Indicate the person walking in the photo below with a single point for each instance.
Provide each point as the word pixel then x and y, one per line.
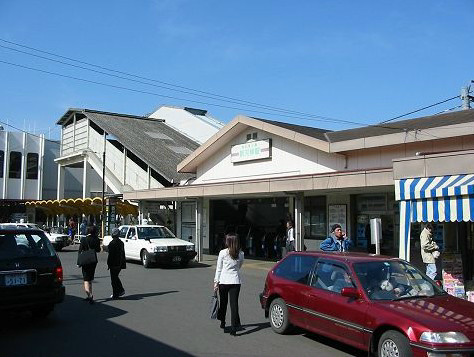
pixel 90 241
pixel 429 250
pixel 116 262
pixel 337 241
pixel 227 281
pixel 83 228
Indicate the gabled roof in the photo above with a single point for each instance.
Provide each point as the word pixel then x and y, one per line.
pixel 154 142
pixel 312 137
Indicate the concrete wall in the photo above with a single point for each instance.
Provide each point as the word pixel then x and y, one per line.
pixel 288 158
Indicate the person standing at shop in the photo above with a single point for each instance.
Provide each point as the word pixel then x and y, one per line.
pixel 337 241
pixel 290 237
pixel 429 250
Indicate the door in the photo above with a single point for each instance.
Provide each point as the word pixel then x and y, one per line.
pixel 330 313
pixel 133 243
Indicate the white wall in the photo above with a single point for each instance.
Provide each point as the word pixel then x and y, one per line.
pixel 288 158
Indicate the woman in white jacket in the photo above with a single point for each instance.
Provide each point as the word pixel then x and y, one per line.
pixel 227 280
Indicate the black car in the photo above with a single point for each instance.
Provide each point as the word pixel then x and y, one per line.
pixel 31 275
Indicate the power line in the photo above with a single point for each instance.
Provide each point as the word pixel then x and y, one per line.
pixel 419 110
pixel 203 93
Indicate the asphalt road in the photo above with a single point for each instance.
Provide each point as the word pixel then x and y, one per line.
pixel 165 312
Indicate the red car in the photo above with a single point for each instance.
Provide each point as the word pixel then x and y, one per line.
pixel 380 304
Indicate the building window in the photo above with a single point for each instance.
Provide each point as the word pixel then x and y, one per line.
pixel 14 170
pixel 32 166
pixel 2 160
pixel 315 217
pixel 252 136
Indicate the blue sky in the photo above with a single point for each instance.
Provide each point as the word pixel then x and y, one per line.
pixel 358 61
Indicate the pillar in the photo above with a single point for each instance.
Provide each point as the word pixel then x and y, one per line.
pixel 199 238
pixel 61 172
pixel 85 179
pixel 299 225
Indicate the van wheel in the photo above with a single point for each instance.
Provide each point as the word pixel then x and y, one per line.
pixel 394 343
pixel 145 258
pixel 279 316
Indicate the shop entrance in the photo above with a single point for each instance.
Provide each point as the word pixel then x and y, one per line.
pixel 259 222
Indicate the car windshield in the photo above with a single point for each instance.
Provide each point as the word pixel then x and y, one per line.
pixel 13 246
pixel 154 233
pixel 394 280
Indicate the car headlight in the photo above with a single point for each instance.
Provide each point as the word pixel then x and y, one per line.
pixel 190 248
pixel 443 337
pixel 160 249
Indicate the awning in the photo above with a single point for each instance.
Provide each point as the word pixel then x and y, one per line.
pixel 447 198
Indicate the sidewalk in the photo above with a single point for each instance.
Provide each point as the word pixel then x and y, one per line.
pixel 248 263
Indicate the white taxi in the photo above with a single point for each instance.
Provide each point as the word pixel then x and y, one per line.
pixel 153 244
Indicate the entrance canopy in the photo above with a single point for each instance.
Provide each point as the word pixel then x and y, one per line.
pixel 447 198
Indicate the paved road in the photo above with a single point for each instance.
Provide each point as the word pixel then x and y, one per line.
pixel 164 313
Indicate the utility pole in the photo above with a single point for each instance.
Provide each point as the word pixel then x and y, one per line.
pixel 466 98
pixel 103 185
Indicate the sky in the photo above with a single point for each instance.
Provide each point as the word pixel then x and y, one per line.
pixel 320 63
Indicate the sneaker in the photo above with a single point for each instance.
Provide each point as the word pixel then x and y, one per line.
pixel 122 293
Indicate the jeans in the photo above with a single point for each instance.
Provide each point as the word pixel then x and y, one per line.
pixel 431 270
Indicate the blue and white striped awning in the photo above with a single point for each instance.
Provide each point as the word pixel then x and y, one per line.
pixel 436 186
pixel 439 198
pixel 433 199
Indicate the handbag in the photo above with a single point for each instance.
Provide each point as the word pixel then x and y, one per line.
pixel 214 306
pixel 87 257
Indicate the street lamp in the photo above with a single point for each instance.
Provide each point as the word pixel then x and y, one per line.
pixel 103 186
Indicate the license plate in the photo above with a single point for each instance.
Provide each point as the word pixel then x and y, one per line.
pixel 15 279
pixel 177 259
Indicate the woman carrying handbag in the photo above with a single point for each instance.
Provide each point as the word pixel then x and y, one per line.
pixel 88 243
pixel 227 281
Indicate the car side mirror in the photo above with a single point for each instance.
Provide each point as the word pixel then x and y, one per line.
pixel 350 292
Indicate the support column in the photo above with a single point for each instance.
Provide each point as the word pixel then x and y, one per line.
pixel 85 179
pixel 299 226
pixel 199 240
pixel 405 227
pixel 61 172
pixel 6 159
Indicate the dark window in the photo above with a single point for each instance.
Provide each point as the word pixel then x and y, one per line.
pixel 2 160
pixel 32 166
pixel 123 232
pixel 14 246
pixel 14 170
pixel 331 277
pixel 296 268
pixel 315 217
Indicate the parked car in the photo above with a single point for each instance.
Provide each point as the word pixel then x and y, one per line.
pixel 58 240
pixel 31 274
pixel 153 244
pixel 379 304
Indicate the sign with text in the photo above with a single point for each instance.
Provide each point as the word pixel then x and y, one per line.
pixel 252 150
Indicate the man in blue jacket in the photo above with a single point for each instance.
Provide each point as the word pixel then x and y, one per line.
pixel 337 241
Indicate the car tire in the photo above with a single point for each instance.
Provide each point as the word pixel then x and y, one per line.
pixel 41 312
pixel 394 343
pixel 278 315
pixel 145 258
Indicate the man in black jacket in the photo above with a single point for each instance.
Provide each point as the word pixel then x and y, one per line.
pixel 116 262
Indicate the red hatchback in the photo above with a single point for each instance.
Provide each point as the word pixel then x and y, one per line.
pixel 380 304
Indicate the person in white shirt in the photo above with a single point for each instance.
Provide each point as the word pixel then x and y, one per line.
pixel 227 281
pixel 290 237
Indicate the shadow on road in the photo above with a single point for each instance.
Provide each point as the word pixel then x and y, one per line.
pixel 251 328
pixel 139 296
pixel 85 330
pixel 335 344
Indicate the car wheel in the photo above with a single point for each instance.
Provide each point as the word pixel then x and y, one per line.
pixel 394 344
pixel 41 312
pixel 279 316
pixel 145 259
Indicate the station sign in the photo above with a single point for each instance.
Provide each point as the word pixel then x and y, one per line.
pixel 252 150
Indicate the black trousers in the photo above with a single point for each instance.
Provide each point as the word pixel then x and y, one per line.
pixel 229 292
pixel 117 287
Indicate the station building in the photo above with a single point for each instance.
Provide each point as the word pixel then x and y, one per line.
pixel 253 173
